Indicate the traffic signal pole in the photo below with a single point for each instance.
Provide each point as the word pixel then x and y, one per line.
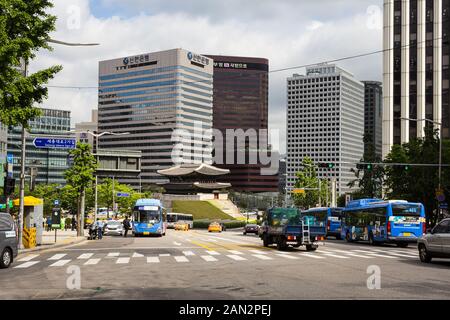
pixel 22 189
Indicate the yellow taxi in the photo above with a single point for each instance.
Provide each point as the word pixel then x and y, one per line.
pixel 214 227
pixel 181 226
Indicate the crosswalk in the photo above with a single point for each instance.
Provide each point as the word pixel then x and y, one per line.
pixel 209 256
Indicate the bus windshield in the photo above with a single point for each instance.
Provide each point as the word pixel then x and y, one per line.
pixel 171 218
pixel 147 216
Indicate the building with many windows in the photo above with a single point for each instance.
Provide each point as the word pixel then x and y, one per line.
pixel 373 113
pixel 50 163
pixel 163 100
pixel 325 122
pixel 241 95
pixel 416 74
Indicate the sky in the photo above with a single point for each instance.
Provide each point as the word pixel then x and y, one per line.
pixel 289 33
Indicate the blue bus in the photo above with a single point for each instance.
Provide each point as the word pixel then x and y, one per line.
pixel 378 221
pixel 329 217
pixel 149 218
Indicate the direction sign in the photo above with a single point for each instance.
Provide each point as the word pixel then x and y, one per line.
pixel 298 191
pixel 122 194
pixel 9 158
pixel 52 143
pixel 56 202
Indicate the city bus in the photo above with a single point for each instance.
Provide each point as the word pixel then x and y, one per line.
pixel 149 218
pixel 329 217
pixel 173 218
pixel 379 221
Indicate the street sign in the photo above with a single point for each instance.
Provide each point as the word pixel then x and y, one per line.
pixel 9 158
pixel 443 205
pixel 122 194
pixel 52 143
pixel 298 191
pixel 56 202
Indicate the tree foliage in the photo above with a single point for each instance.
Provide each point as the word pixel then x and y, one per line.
pixel 24 29
pixel 307 178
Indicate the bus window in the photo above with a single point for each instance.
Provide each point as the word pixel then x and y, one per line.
pixel 406 213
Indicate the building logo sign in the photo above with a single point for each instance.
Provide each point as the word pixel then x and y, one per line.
pixel 126 61
pixel 198 58
pixel 136 59
pixel 230 65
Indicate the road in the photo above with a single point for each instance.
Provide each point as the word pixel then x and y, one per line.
pixel 200 265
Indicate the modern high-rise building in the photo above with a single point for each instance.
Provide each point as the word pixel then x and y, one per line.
pixel 162 100
pixel 325 122
pixel 50 163
pixel 241 101
pixel 373 114
pixel 416 69
pixel 82 129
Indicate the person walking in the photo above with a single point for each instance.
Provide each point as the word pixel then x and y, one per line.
pixel 49 223
pixel 126 226
pixel 63 223
pixel 99 225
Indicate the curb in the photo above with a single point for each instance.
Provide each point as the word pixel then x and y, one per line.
pixel 69 242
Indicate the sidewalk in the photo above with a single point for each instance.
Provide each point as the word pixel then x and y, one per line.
pixel 64 238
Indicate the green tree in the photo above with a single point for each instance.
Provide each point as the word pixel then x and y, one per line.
pixel 81 177
pixel 307 178
pixel 368 182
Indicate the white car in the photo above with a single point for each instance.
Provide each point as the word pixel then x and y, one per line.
pixel 114 227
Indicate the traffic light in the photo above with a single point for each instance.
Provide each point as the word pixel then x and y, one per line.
pixel 326 165
pixel 10 184
pixel 406 167
pixel 364 166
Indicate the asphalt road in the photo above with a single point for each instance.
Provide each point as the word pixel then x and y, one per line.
pixel 229 265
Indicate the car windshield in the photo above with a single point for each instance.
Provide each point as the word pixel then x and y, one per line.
pixel 113 223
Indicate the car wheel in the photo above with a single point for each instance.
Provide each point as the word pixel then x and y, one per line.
pixel 245 233
pixel 424 255
pixel 281 245
pixel 5 259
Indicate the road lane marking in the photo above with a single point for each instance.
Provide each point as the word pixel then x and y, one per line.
pixel 181 259
pixel 164 254
pixel 123 260
pixel 287 256
pixel 202 245
pixel 60 263
pixel 213 253
pixel 85 256
pixel 209 258
pixel 235 252
pixel 310 255
pixel 258 251
pixel 225 239
pixel 177 243
pixel 262 256
pixel 137 255
pixel 28 258
pixel 351 254
pixel 91 262
pixel 26 265
pixel 152 260
pixel 57 256
pixel 375 254
pixel 113 254
pixel 331 254
pixel 236 257
pixel 188 253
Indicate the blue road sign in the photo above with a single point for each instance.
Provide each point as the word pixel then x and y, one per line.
pixel 56 202
pixel 52 143
pixel 9 158
pixel 443 206
pixel 121 194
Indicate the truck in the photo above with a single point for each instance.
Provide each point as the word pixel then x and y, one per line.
pixel 286 227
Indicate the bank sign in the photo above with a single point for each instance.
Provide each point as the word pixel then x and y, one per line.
pixel 136 59
pixel 198 58
pixel 230 65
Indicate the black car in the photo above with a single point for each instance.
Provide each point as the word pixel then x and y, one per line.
pixel 251 228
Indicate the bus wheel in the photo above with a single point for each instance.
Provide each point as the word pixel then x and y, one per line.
pixel 348 237
pixel 402 244
pixel 371 242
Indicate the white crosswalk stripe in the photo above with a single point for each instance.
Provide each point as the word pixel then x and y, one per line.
pixel 181 259
pixel 60 263
pixel 164 254
pixel 213 253
pixel 235 252
pixel 330 254
pixel 92 262
pixel 310 255
pixel 188 253
pixel 85 256
pixel 236 257
pixel 153 260
pixel 28 258
pixel 375 254
pixel 352 254
pixel 26 265
pixel 287 256
pixel 137 255
pixel 209 258
pixel 258 251
pixel 57 256
pixel 262 256
pixel 123 260
pixel 113 254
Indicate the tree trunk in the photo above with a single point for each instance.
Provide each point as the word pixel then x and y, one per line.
pixel 82 204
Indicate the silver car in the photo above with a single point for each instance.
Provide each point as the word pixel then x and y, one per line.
pixel 8 240
pixel 114 228
pixel 435 244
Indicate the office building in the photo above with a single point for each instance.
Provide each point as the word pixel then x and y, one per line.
pixel 149 96
pixel 325 122
pixel 50 163
pixel 82 129
pixel 373 114
pixel 416 69
pixel 282 175
pixel 241 91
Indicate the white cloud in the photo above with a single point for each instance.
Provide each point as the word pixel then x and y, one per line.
pixel 274 35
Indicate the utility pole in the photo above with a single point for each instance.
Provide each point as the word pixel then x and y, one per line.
pixel 113 195
pixel 96 200
pixel 320 200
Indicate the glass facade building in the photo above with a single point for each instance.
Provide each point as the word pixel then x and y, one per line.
pixel 50 163
pixel 373 108
pixel 163 101
pixel 241 91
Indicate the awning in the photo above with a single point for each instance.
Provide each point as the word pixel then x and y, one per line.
pixel 30 201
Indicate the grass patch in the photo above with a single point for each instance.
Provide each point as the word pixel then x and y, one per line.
pixel 200 210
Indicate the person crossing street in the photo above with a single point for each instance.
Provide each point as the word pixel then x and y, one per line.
pixel 126 226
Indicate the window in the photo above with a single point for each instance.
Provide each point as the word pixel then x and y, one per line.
pixel 443 227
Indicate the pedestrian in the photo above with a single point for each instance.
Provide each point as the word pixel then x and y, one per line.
pixel 49 223
pixel 126 226
pixel 63 223
pixel 99 225
pixel 74 224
